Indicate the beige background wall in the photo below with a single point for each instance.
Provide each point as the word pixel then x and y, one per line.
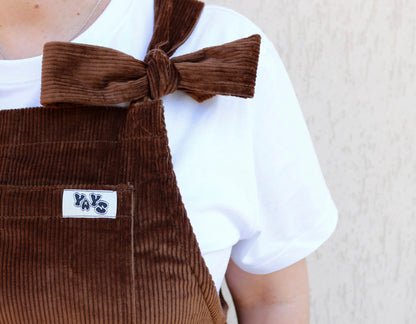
pixel 353 67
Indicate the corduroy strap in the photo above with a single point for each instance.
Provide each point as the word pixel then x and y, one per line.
pixel 94 75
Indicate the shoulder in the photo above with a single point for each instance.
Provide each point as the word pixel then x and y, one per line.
pixel 218 25
pixel 227 21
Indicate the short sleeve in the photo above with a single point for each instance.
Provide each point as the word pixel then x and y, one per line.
pixel 296 213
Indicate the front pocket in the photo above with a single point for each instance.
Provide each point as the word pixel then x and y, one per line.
pixel 56 269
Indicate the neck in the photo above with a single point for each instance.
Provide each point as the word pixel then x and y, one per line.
pixel 26 25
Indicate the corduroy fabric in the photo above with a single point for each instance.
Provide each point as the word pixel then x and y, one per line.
pixel 142 267
pixel 107 76
pixel 145 265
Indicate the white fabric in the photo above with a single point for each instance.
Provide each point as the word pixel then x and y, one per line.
pixel 246 168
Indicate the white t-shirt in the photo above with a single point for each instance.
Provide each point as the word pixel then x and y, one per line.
pixel 246 168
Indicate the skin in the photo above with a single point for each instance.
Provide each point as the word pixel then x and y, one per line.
pixel 280 297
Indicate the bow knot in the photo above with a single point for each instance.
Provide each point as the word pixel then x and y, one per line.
pixel 162 75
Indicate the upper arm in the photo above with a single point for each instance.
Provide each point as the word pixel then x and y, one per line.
pixel 281 295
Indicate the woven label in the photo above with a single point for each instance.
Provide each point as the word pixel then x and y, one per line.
pixel 78 203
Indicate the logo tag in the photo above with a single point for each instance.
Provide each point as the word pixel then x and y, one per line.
pixel 78 203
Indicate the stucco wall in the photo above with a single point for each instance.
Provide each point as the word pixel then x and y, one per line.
pixel 353 66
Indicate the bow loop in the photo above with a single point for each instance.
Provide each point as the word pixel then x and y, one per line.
pixel 162 75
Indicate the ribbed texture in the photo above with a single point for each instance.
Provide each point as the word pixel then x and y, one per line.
pixel 229 70
pixel 106 76
pixel 145 265
pixel 173 23
pixel 94 75
pixel 46 201
pixel 142 267
pixel 162 75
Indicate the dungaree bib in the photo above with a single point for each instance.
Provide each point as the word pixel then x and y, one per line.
pixel 92 226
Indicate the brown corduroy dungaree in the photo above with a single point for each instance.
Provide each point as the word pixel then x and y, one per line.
pixel 143 265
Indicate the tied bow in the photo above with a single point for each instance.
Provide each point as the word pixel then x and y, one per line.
pixel 94 75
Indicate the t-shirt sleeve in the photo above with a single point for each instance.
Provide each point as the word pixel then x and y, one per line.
pixel 296 213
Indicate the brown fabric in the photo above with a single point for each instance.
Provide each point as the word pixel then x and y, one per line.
pixel 142 267
pixel 96 75
pixel 145 265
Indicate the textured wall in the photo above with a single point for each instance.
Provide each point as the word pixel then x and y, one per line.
pixel 353 67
